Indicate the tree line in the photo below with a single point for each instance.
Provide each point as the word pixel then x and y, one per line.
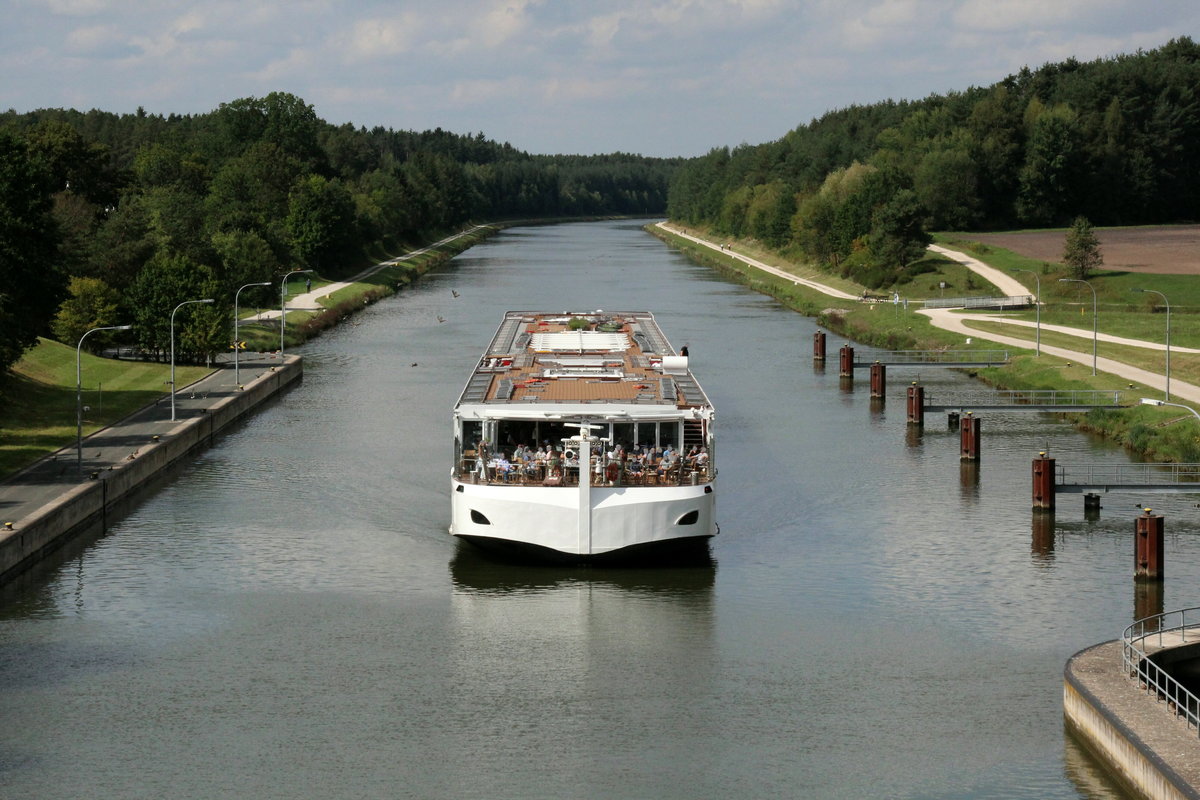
pixel 115 218
pixel 1116 140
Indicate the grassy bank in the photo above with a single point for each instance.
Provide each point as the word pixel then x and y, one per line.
pixel 39 398
pixel 39 414
pixel 381 283
pixel 1155 433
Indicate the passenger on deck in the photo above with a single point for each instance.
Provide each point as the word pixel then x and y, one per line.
pixel 481 458
pixel 636 466
pixel 504 467
pixel 668 460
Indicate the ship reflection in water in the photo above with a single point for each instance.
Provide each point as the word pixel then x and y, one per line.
pixel 539 650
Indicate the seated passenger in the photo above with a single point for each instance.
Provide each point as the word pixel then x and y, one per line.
pixel 504 467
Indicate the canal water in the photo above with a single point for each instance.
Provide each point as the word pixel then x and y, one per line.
pixel 288 616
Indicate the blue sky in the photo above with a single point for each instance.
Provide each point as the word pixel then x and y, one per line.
pixel 657 77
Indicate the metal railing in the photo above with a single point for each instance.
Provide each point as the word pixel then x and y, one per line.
pixel 1013 301
pixel 1039 397
pixel 1127 474
pixel 900 357
pixel 531 474
pixel 1169 629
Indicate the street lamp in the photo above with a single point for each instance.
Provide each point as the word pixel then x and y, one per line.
pixel 1167 392
pixel 283 303
pixel 181 305
pixel 1149 401
pixel 236 379
pixel 1037 304
pixel 1085 283
pixel 79 391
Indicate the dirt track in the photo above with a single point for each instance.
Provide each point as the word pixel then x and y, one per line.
pixel 1167 250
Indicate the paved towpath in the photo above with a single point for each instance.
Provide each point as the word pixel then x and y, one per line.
pixel 820 287
pixel 956 321
pixel 54 475
pixel 1007 284
pixel 948 320
pixel 310 301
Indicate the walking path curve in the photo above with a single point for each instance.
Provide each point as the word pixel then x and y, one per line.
pixel 946 319
pixel 1024 323
pixel 956 321
pixel 1007 284
pixel 310 301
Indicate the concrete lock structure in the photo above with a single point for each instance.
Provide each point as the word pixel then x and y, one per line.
pixel 89 504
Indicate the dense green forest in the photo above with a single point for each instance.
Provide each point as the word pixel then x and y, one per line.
pixel 115 218
pixel 1115 140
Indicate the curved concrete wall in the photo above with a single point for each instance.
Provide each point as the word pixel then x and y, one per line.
pixel 1108 714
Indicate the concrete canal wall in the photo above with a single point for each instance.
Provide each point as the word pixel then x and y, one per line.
pixel 1145 746
pixel 89 504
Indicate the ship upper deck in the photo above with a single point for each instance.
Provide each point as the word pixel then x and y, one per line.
pixel 582 357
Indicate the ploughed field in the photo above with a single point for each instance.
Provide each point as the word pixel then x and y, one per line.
pixel 1163 249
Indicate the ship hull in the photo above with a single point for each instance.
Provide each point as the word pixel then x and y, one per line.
pixel 621 521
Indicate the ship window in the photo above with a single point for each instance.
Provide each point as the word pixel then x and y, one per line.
pixel 668 434
pixel 479 519
pixel 690 518
pixel 472 432
pixel 512 432
pixel 623 434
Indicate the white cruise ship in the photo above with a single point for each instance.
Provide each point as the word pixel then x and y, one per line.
pixel 583 436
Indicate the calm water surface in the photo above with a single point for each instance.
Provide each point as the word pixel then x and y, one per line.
pixel 289 618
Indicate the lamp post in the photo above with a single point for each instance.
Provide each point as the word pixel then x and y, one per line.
pixel 236 374
pixel 79 391
pixel 181 305
pixel 1037 304
pixel 1150 401
pixel 283 303
pixel 1167 392
pixel 1085 283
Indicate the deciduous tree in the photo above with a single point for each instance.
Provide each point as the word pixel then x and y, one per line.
pixel 91 303
pixel 31 282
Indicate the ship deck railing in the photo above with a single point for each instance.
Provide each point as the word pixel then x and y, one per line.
pixel 467 471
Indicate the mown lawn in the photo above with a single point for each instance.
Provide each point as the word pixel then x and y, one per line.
pixel 39 399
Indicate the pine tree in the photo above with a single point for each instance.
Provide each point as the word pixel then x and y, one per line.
pixel 1082 251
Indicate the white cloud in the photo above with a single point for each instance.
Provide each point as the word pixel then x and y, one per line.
pixel 1026 15
pixel 96 40
pixel 382 38
pixel 680 76
pixel 505 20
pixel 78 8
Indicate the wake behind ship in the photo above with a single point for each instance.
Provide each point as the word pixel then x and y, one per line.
pixel 583 436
